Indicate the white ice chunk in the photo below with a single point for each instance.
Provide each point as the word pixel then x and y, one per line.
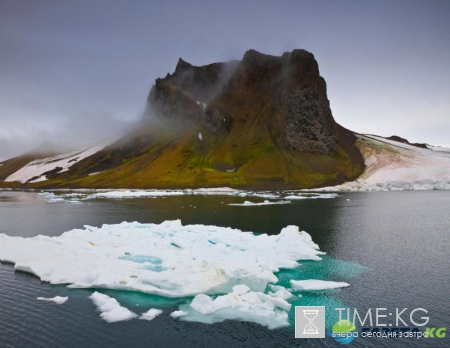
pixel 250 306
pixel 266 202
pixel 203 303
pixel 177 314
pixel 315 284
pixel 312 196
pixel 111 310
pixel 135 194
pixel 280 291
pixel 56 299
pixel 241 289
pixel 151 314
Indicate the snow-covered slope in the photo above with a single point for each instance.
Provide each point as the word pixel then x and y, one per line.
pixel 391 165
pixel 37 168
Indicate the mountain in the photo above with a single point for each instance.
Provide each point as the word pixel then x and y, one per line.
pixel 44 150
pixel 263 123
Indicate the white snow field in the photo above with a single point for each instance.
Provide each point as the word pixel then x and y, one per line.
pixel 394 166
pixel 56 299
pixel 174 261
pixel 38 167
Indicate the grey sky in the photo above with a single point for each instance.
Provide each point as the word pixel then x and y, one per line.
pixel 80 71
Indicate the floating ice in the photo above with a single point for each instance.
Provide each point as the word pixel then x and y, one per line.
pixel 56 299
pixel 312 196
pixel 266 195
pixel 151 314
pixel 168 259
pixel 111 310
pixel 136 194
pixel 240 304
pixel 315 284
pixel 266 202
pixel 177 314
pixel 219 191
pixel 280 291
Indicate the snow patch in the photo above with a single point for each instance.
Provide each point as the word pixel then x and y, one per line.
pixel 39 179
pixel 395 166
pixel 38 167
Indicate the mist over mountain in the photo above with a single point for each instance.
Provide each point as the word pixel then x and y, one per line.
pixel 261 122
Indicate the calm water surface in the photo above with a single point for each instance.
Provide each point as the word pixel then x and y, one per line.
pixel 392 247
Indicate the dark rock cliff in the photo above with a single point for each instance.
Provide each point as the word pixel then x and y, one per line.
pixel 220 94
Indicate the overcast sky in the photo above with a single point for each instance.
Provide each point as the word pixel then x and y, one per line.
pixel 80 71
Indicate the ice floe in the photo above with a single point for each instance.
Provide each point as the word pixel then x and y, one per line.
pixel 240 304
pixel 168 259
pixel 266 202
pixel 312 196
pixel 111 310
pixel 60 195
pixel 229 273
pixel 134 194
pixel 151 314
pixel 178 314
pixel 56 299
pixel 315 284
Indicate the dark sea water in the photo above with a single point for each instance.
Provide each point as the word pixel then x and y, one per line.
pixel 392 247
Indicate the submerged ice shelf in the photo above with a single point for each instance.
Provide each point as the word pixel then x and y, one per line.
pixel 229 274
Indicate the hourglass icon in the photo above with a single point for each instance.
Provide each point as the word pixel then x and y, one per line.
pixel 310 328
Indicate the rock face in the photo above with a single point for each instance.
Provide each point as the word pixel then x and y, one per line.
pixel 308 122
pixel 182 96
pixel 220 94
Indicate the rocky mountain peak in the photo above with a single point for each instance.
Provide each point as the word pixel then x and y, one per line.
pixel 285 94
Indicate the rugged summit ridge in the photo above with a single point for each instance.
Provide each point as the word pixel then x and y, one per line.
pixel 287 93
pixel 263 122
